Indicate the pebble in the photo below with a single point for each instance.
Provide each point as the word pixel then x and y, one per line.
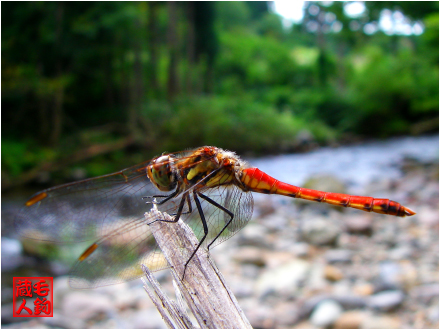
pixel 389 274
pixel 402 251
pixel 365 289
pixel 11 254
pixel 326 313
pixel 428 216
pixel 64 321
pixel 333 273
pixel 320 231
pixel 386 300
pixel 426 292
pixel 283 279
pixel 147 319
pixel 381 322
pixel 254 235
pixel 301 249
pixel 350 320
pixel 338 255
pixel 86 305
pixel 250 255
pixel 360 224
pixel 351 301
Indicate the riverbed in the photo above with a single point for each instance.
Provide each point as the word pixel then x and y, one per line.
pixel 298 264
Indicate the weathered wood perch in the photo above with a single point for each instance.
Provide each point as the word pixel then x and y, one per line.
pixel 203 288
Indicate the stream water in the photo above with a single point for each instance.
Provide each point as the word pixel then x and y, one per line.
pixel 355 165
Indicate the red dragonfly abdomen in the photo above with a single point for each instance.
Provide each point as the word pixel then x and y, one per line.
pixel 258 181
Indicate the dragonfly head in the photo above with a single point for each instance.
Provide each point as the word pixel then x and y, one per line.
pixel 161 173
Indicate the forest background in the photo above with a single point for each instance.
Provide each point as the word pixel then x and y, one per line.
pixel 105 85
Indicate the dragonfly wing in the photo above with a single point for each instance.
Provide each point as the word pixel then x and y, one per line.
pixel 231 197
pixel 117 257
pixel 87 209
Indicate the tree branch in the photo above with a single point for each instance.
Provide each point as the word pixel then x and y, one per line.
pixel 203 288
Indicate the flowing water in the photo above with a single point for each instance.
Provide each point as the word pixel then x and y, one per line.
pixel 355 165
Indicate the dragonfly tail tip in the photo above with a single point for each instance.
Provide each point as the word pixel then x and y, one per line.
pixel 408 211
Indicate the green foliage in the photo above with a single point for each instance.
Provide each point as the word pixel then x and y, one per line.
pixel 404 89
pixel 239 124
pixel 19 156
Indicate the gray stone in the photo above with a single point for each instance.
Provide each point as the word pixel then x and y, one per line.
pixel 86 305
pixel 338 255
pixel 359 224
pixel 380 322
pixel 351 301
pixel 426 292
pixel 402 251
pixel 386 300
pixel 326 313
pixel 389 275
pixel 253 235
pixel 283 279
pixel 147 319
pixel 11 254
pixel 320 231
pixel 350 320
pixel 63 322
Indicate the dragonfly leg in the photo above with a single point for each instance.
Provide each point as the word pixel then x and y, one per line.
pixel 205 230
pixel 188 200
pixel 166 199
pixel 178 214
pixel 224 209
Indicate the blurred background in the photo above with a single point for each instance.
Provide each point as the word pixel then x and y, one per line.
pixel 338 96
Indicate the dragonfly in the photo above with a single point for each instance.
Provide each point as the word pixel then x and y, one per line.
pixel 208 188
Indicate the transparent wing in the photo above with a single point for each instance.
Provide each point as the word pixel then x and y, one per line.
pixel 117 257
pixel 110 210
pixel 232 198
pixel 88 209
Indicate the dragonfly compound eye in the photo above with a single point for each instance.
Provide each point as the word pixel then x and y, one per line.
pixel 161 173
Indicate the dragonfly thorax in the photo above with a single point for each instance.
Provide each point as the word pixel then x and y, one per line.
pixel 162 174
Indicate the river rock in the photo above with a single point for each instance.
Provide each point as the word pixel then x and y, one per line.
pixel 402 251
pixel 320 231
pixel 386 300
pixel 333 273
pixel 11 254
pixel 338 255
pixel 86 305
pixel 351 301
pixel 254 234
pixel 326 313
pixel 426 292
pixel 250 255
pixel 350 320
pixel 359 224
pixel 381 322
pixel 283 279
pixel 64 322
pixel 364 289
pixel 147 319
pixel 389 275
pixel 428 216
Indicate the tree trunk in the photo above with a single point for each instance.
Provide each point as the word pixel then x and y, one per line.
pixel 153 44
pixel 172 84
pixel 190 51
pixel 57 114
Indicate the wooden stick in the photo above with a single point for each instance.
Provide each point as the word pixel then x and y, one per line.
pixel 166 307
pixel 203 288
